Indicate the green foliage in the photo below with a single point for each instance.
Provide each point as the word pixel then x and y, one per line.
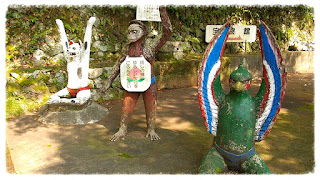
pixel 195 17
pixel 308 107
pixel 125 155
pixel 27 26
pixel 42 88
pixel 26 93
pixel 13 107
pixel 11 52
pixel 104 75
pixel 18 101
pixel 26 82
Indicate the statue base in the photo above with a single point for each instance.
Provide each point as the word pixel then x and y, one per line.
pixel 72 114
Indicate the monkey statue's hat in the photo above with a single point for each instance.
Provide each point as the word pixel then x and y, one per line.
pixel 241 74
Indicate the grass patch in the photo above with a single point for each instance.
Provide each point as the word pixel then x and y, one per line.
pixel 125 155
pixel 13 108
pixel 308 107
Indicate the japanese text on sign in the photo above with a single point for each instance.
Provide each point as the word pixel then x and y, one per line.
pixel 148 13
pixel 237 33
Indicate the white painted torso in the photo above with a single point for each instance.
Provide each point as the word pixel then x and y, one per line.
pixel 74 81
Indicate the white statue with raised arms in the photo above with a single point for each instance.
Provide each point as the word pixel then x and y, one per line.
pixel 77 55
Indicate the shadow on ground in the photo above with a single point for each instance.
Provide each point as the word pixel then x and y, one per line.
pixel 289 148
pixel 86 149
pixel 51 149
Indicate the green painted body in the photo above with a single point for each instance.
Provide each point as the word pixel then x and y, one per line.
pixel 237 115
pixel 213 163
pixel 236 124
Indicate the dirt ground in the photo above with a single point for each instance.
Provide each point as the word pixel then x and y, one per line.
pixel 52 149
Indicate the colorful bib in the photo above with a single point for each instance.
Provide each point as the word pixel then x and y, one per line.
pixel 135 74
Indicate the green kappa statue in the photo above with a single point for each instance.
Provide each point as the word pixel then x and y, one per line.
pixel 238 120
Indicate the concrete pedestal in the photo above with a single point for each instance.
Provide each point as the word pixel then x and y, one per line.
pixel 68 114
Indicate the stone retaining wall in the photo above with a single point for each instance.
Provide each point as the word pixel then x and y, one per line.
pixel 295 62
pixel 175 74
pixel 178 75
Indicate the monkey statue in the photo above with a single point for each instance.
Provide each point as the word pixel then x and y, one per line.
pixel 77 55
pixel 238 120
pixel 140 46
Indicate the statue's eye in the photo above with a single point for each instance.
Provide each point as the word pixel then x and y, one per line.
pixel 134 31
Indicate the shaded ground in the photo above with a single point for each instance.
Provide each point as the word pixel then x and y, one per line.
pixel 51 149
pixel 289 148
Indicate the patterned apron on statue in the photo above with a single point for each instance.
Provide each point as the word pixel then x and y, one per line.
pixel 135 74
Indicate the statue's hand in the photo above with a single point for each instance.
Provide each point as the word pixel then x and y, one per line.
pixel 59 22
pixel 91 21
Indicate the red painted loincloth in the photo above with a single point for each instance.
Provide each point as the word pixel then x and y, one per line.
pixel 74 92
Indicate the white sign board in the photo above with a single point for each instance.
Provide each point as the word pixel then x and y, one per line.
pixel 135 74
pixel 148 13
pixel 237 33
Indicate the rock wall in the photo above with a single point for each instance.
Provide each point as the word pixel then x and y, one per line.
pixel 32 36
pixel 174 74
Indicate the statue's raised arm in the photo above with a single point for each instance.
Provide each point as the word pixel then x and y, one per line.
pixel 166 28
pixel 271 92
pixel 210 92
pixel 63 36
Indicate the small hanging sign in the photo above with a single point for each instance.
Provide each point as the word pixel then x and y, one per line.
pixel 135 74
pixel 237 33
pixel 148 13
